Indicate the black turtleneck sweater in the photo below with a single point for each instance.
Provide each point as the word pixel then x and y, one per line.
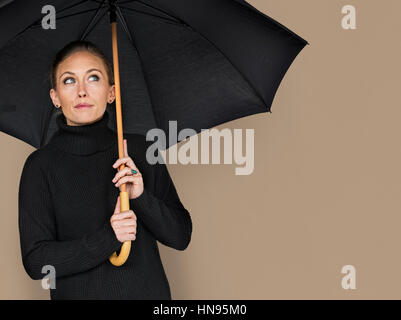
pixel 66 199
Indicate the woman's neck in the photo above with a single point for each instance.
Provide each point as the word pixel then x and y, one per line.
pixel 84 139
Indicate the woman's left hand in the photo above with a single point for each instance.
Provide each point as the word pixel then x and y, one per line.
pixel 133 181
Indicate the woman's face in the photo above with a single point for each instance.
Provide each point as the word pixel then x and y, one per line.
pixel 82 79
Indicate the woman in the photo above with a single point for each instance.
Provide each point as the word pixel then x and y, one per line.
pixel 69 209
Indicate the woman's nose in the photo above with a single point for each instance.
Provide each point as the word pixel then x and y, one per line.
pixel 82 91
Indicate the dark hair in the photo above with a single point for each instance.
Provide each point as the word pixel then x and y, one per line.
pixel 77 46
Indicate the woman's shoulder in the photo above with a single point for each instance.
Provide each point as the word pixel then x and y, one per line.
pixel 39 167
pixel 40 158
pixel 33 167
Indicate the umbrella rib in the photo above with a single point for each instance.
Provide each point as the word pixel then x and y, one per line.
pixel 88 27
pixel 76 13
pixel 39 23
pixel 162 11
pixel 141 64
pixel 117 2
pixel 100 18
pixel 238 70
pixel 183 22
pixel 39 20
pixel 176 22
pixel 73 5
pixel 122 2
pixel 234 66
pixel 125 27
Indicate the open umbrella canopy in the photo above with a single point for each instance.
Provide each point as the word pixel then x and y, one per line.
pixel 200 62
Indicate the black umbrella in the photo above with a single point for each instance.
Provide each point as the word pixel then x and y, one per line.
pixel 198 62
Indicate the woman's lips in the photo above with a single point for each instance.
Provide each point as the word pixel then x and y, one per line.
pixel 83 105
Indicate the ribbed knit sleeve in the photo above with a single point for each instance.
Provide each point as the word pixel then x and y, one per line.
pixel 38 234
pixel 162 211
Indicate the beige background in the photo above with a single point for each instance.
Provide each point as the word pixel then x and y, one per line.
pixel 326 189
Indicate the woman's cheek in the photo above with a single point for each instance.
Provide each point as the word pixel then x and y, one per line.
pixel 65 97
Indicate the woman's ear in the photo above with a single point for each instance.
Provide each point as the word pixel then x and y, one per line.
pixel 112 94
pixel 54 97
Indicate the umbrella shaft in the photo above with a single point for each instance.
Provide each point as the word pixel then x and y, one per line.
pixel 118 92
pixel 125 250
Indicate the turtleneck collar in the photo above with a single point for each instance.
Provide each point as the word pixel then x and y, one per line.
pixel 85 139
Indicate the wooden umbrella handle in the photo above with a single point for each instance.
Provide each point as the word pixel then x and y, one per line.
pixel 120 259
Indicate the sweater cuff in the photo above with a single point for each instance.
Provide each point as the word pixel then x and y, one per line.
pixel 104 238
pixel 141 203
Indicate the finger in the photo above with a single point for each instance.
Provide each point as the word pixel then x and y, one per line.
pixel 127 177
pixel 136 180
pixel 125 172
pixel 128 221
pixel 128 237
pixel 127 161
pixel 124 223
pixel 125 230
pixel 131 237
pixel 124 215
pixel 117 208
pixel 121 173
pixel 125 148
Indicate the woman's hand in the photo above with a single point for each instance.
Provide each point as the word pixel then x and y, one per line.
pixel 123 223
pixel 133 181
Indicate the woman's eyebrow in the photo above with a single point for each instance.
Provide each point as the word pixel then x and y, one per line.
pixel 90 70
pixel 93 69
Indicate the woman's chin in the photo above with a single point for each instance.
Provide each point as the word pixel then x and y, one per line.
pixel 85 115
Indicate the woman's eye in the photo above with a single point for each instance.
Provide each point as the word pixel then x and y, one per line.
pixel 65 80
pixel 93 75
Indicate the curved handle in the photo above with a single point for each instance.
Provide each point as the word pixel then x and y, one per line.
pixel 119 260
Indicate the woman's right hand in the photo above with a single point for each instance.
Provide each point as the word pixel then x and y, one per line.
pixel 123 223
